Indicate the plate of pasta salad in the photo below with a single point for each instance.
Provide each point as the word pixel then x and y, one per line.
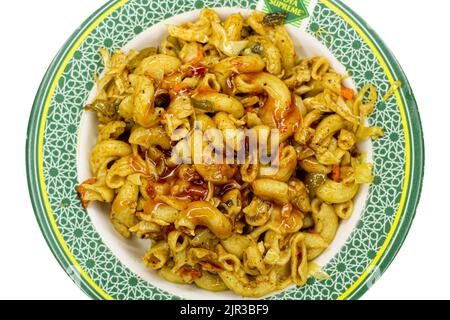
pixel 222 149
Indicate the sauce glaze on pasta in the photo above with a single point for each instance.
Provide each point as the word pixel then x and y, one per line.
pixel 236 227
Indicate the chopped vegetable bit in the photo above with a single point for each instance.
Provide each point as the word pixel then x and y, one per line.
pixel 104 109
pixel 193 273
pixel 313 181
pixel 347 93
pixel 203 105
pixel 180 88
pixel 336 173
pixel 275 19
pixel 363 173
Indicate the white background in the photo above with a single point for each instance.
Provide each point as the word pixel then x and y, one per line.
pixel 31 33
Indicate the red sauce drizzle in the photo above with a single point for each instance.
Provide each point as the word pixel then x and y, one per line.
pixel 151 190
pixel 168 174
pixel 194 193
pixel 195 274
pixel 137 167
pixel 198 71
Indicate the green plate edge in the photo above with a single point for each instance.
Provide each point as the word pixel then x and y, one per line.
pixel 417 147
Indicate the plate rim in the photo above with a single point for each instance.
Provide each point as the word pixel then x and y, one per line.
pixel 417 147
pixel 414 126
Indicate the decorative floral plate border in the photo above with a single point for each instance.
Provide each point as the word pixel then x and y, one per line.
pixel 53 134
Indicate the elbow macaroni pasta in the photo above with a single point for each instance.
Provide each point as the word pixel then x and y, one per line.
pixel 245 227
